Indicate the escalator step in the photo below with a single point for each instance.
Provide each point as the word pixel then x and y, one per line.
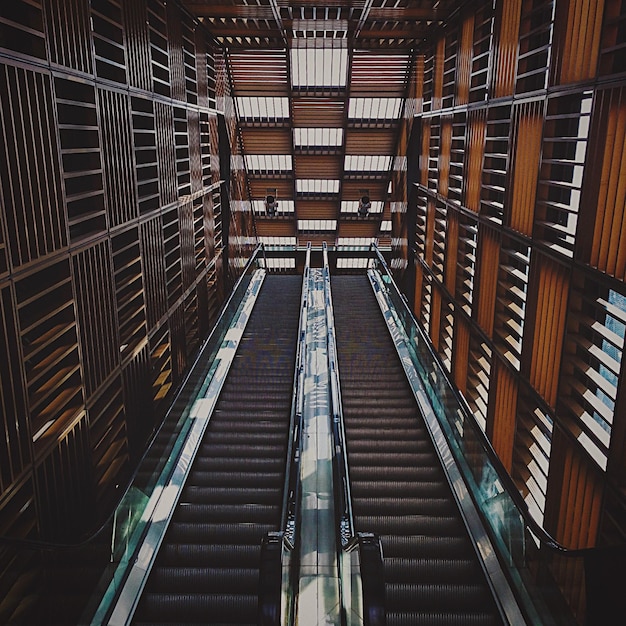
pixel 226 608
pixel 433 597
pixel 396 460
pixel 203 579
pixel 235 513
pixel 433 570
pixel 426 546
pixel 242 451
pixel 191 555
pixel 231 495
pixel 236 438
pixel 411 525
pixel 385 446
pixel 407 488
pixel 412 618
pixel 184 532
pixel 415 474
pixel 436 507
pixel 207 464
pixel 235 479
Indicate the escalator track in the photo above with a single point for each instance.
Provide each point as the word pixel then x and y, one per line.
pixel 399 490
pixel 207 568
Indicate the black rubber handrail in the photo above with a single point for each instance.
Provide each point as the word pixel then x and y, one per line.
pixel 90 535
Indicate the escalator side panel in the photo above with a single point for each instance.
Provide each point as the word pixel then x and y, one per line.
pixel 207 569
pixel 399 489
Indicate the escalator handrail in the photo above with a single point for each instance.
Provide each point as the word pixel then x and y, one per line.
pixel 368 544
pixel 270 595
pixel 342 481
pixel 90 536
pixel 539 531
pixel 290 512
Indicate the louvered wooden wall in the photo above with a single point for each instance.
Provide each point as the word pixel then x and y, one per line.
pixel 520 243
pixel 111 243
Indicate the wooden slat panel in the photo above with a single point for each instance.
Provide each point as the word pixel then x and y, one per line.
pixel 461 352
pixel 370 141
pixel 316 209
pixel 435 317
pixel 505 46
pixel 452 243
pixel 473 168
pixel 351 190
pixel 318 112
pixel 489 246
pixel 464 67
pixel 365 228
pixel 528 126
pixel 440 51
pixel 419 283
pixel 314 167
pixel 259 72
pixel 549 286
pixel 502 412
pixel 266 141
pixel 444 155
pixel 608 251
pixel 578 27
pixel 258 188
pixel 275 228
pixel 374 72
pixel 425 152
pixel 430 232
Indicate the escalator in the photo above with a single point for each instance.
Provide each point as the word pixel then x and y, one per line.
pixel 399 489
pixel 207 567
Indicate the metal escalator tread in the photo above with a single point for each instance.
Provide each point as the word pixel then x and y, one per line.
pixel 399 489
pixel 206 571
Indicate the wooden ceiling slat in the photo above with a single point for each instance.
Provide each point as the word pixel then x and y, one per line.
pixel 316 210
pixel 284 188
pixel 318 113
pixel 266 140
pixel 351 190
pixel 330 167
pixel 358 228
pixel 272 227
pixel 368 141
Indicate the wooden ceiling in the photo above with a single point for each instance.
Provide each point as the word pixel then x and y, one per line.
pixel 319 92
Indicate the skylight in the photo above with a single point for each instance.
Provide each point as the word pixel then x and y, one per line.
pixel 317 137
pixel 385 226
pixel 280 263
pixel 268 162
pixel 284 207
pixel 317 225
pixel 355 242
pixel 352 206
pixel 367 163
pixel 319 67
pixel 353 262
pixel 261 108
pixel 375 108
pixel 316 185
pixel 278 241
